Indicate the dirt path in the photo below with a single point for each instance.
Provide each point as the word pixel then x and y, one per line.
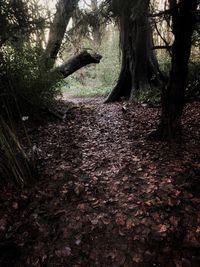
pixel 107 195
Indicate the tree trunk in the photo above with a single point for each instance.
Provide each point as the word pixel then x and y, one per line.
pixel 76 62
pixel 64 10
pixel 173 101
pixel 139 70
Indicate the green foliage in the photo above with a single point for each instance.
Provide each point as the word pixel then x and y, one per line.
pixel 23 82
pixel 19 18
pixel 153 96
pixel 108 69
pixel 97 79
pixel 196 36
pixel 192 90
pixel 164 64
pixel 72 87
pixel 25 86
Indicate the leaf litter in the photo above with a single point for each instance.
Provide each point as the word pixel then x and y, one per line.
pixel 107 195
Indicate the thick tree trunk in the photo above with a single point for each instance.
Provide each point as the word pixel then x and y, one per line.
pixel 173 96
pixel 139 70
pixel 64 10
pixel 76 62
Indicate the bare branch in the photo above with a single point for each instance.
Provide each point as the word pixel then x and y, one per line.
pixel 165 12
pixel 163 39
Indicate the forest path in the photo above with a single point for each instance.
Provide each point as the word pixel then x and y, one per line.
pixel 108 195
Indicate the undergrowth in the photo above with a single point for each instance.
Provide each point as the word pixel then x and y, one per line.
pixel 14 164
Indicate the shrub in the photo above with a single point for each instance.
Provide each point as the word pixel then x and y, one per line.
pixel 24 83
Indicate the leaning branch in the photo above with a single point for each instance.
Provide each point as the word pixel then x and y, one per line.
pixel 77 62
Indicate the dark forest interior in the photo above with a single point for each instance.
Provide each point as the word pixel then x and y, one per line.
pixel 100 133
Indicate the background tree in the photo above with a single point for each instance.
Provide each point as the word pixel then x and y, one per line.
pixel 139 70
pixel 64 11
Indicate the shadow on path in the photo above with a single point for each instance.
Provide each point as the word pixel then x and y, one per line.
pixel 107 195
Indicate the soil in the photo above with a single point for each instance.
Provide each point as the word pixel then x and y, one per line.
pixel 106 195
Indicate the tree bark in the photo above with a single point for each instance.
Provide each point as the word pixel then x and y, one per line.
pixel 76 62
pixel 139 69
pixel 64 11
pixel 173 96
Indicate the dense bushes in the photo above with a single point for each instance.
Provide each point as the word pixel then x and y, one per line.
pixel 24 83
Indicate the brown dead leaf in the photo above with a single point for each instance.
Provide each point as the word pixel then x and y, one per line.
pixel 81 206
pixel 191 240
pixel 120 258
pixel 79 188
pixel 3 225
pixel 15 205
pixel 120 219
pixel 198 230
pixel 106 220
pixel 137 258
pixel 174 221
pixel 63 252
pixel 162 228
pixel 122 232
pixel 130 224
pixel 95 221
pixel 149 202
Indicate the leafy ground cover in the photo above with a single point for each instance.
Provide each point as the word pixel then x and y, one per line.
pixel 107 195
